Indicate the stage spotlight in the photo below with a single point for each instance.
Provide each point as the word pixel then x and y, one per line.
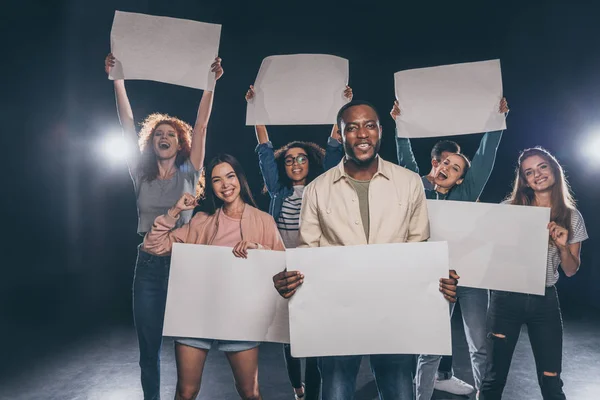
pixel 114 148
pixel 592 146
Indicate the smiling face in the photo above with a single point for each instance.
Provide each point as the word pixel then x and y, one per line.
pixel 537 173
pixel 361 133
pixel 450 171
pixel 165 142
pixel 225 183
pixel 296 165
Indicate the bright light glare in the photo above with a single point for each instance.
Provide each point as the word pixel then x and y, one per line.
pixel 114 148
pixel 591 147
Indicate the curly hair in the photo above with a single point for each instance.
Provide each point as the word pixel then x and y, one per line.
pixel 149 166
pixel 315 154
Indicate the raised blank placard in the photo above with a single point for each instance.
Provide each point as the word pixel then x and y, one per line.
pixel 370 299
pixel 453 99
pixel 494 246
pixel 163 49
pixel 299 89
pixel 214 295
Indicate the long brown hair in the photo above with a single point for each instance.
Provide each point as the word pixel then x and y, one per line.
pixel 562 200
pixel 209 202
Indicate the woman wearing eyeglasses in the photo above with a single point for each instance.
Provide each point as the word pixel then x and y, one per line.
pixel 286 172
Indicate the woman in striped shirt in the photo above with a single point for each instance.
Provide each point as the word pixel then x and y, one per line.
pixel 540 182
pixel 286 173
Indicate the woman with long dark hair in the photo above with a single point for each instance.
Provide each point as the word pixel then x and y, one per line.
pixel 540 182
pixel 227 216
pixel 167 164
pixel 286 172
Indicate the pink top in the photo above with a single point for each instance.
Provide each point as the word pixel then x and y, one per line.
pixel 229 232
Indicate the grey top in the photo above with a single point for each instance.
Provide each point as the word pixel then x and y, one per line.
pixel 362 191
pixel 155 197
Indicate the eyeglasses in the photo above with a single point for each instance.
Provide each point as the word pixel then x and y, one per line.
pixel 301 159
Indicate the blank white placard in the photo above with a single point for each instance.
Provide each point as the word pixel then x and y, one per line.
pixel 298 89
pixel 214 295
pixel 493 246
pixel 164 49
pixel 370 299
pixel 449 100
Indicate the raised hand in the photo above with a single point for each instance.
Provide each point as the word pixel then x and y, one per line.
pixel 185 202
pixel 395 110
pixel 109 62
pixel 250 93
pixel 503 106
pixel 217 68
pixel 348 93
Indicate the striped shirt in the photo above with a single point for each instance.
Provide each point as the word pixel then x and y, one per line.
pixel 289 218
pixel 578 234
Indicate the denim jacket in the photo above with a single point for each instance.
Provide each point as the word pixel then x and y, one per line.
pixel 268 168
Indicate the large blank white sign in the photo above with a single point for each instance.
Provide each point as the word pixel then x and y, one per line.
pixel 214 295
pixel 370 299
pixel 163 49
pixel 493 246
pixel 449 100
pixel 299 89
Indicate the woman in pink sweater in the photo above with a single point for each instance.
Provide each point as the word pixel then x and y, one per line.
pixel 227 217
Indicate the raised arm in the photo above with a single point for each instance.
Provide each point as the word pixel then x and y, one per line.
pixel 481 165
pixel 404 152
pixel 203 116
pixel 266 155
pixel 160 238
pixel 125 115
pixel 334 152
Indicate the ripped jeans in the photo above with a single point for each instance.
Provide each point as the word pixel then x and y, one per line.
pixel 507 313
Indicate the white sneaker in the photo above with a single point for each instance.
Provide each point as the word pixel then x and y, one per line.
pixel 454 386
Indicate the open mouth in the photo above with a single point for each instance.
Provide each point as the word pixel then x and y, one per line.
pixel 541 180
pixel 164 146
pixel 227 193
pixel 442 176
pixel 363 146
pixel 296 170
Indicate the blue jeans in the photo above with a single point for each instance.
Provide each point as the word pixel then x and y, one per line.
pixel 473 306
pixel 149 297
pixel 393 375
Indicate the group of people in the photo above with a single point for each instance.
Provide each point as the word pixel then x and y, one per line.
pixel 345 194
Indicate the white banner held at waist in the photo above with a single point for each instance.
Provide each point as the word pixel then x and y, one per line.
pixel 370 299
pixel 449 100
pixel 163 49
pixel 493 246
pixel 299 89
pixel 214 295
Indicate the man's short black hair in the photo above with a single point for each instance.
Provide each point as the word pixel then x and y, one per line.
pixel 442 146
pixel 352 104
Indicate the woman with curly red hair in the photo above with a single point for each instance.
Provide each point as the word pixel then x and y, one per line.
pixel 168 164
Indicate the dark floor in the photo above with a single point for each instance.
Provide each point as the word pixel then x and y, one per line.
pixel 102 365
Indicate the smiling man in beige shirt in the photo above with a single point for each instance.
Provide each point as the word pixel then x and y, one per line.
pixel 364 200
